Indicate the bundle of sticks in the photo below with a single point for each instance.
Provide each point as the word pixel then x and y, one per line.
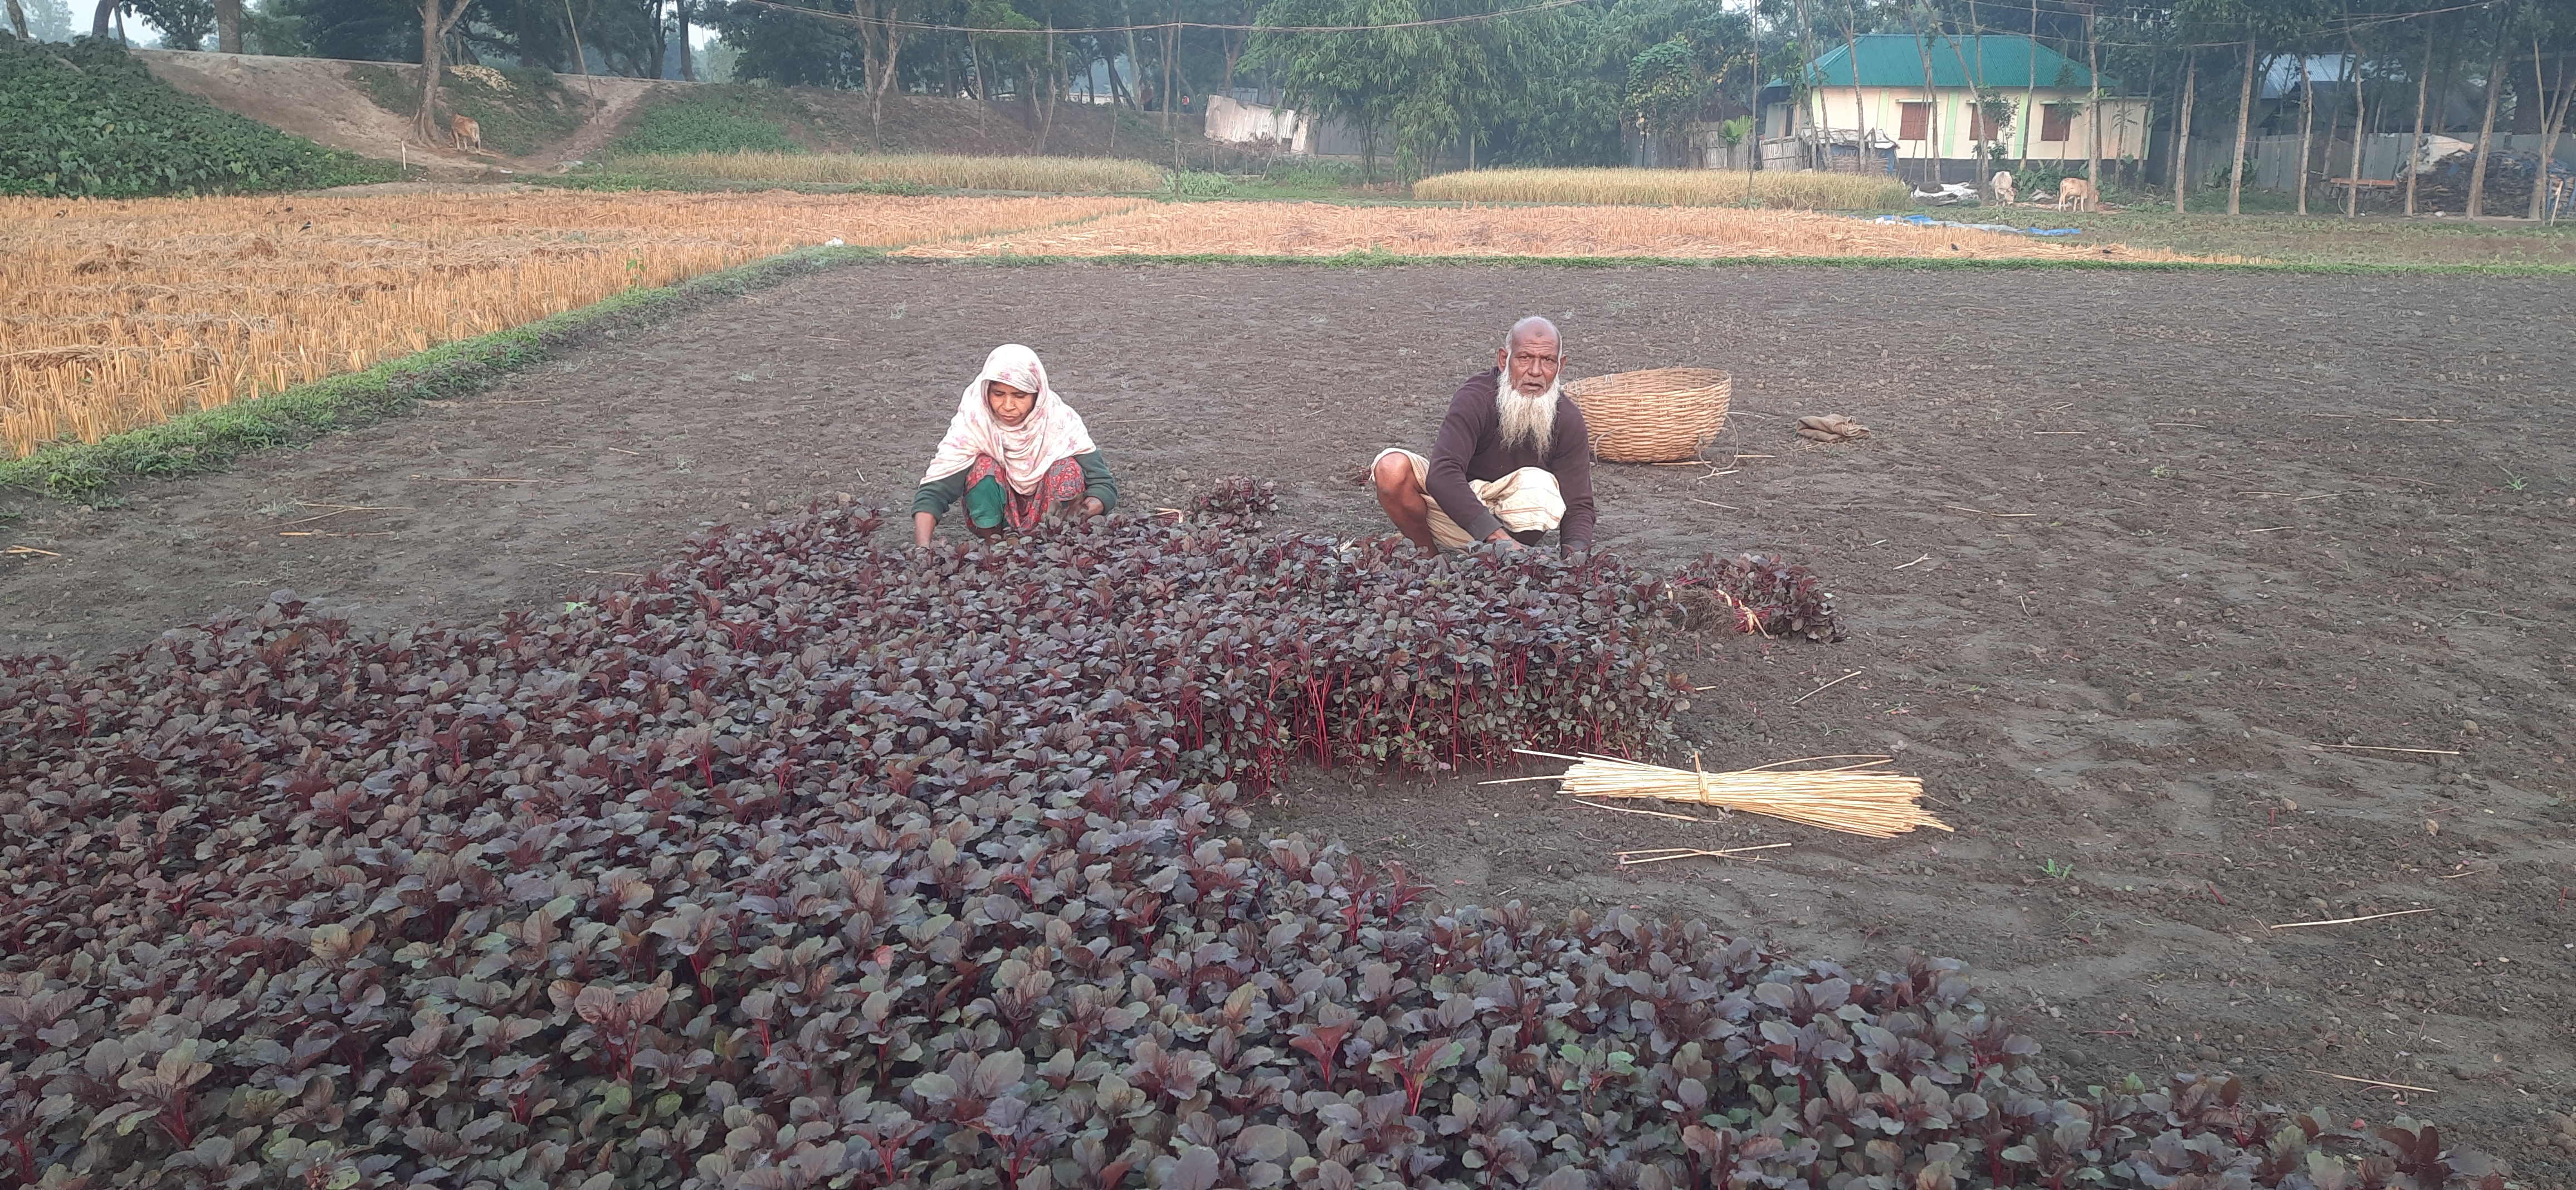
pixel 1861 798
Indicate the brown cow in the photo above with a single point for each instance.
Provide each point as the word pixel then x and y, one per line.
pixel 2078 193
pixel 468 133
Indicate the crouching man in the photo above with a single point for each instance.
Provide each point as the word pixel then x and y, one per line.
pixel 1513 459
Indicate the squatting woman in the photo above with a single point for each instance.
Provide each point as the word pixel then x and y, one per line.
pixel 1015 453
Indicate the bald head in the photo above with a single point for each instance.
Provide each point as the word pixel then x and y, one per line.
pixel 1534 330
pixel 1531 357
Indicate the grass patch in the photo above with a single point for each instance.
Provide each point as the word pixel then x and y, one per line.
pixel 1040 175
pixel 1774 189
pixel 711 118
pixel 90 120
pixel 209 440
pixel 520 109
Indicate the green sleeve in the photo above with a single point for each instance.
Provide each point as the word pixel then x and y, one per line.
pixel 1097 482
pixel 935 497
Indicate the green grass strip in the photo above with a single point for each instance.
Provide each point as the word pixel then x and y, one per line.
pixel 210 439
pixel 1935 263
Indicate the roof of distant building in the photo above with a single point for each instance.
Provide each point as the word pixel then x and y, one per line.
pixel 1896 60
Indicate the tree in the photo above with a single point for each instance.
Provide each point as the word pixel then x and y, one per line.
pixel 438 18
pixel 184 24
pixel 1665 88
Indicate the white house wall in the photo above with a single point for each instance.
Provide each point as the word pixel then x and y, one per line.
pixel 2124 122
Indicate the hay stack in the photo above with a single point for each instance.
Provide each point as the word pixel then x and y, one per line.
pixel 1858 799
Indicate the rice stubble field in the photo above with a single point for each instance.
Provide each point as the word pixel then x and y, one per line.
pixel 2146 615
pixel 127 313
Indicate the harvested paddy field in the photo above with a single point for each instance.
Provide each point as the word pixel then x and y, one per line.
pixel 2203 603
pixel 127 313
pixel 1681 233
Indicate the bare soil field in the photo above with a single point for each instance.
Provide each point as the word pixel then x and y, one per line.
pixel 2203 603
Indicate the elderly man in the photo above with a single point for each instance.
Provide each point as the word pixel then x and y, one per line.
pixel 1513 459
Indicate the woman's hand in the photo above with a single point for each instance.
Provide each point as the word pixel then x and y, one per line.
pixel 1091 507
pixel 921 525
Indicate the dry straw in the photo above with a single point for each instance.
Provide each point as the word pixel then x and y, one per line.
pixel 1053 175
pixel 1776 189
pixel 1858 799
pixel 122 314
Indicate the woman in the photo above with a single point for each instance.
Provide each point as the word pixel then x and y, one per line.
pixel 1015 453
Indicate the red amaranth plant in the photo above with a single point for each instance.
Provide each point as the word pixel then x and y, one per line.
pixel 814 860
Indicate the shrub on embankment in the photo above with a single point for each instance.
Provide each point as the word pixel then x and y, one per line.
pixel 935 171
pixel 815 860
pixel 90 120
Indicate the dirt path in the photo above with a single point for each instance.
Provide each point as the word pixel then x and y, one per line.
pixel 313 98
pixel 2138 566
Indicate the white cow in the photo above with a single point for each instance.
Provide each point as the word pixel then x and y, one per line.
pixel 2002 186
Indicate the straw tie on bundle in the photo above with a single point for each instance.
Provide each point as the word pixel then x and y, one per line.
pixel 1859 799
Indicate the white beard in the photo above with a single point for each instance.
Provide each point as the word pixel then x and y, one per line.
pixel 1526 420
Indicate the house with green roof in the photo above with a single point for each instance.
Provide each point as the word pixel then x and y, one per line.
pixel 1873 93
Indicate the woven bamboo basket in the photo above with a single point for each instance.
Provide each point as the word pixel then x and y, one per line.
pixel 1659 415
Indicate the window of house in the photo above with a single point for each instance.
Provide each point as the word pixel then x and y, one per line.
pixel 2057 122
pixel 1914 121
pixel 1981 127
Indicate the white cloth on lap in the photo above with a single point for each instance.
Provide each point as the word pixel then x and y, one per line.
pixel 1525 501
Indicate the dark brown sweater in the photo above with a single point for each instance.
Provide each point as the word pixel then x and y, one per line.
pixel 1470 446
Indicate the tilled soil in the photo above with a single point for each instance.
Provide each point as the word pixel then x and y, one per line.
pixel 2203 603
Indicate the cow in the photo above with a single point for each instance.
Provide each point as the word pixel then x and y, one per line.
pixel 2078 193
pixel 468 133
pixel 2002 186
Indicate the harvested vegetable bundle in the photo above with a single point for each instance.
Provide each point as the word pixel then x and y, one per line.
pixel 1859 799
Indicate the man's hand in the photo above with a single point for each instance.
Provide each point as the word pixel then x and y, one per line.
pixel 1510 544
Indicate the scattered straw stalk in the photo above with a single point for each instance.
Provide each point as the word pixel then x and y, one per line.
pixel 1858 799
pixel 122 314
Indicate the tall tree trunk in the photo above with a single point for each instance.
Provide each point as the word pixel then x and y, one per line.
pixel 2307 126
pixel 2244 120
pixel 1931 106
pixel 2030 88
pixel 2486 130
pixel 1802 92
pixel 1171 75
pixel 2360 131
pixel 1860 112
pixel 98 21
pixel 580 56
pixel 2093 93
pixel 1046 120
pixel 1135 61
pixel 880 47
pixel 1978 133
pixel 228 26
pixel 18 21
pixel 438 18
pixel 688 58
pixel 2182 130
pixel 2423 91
pixel 2551 120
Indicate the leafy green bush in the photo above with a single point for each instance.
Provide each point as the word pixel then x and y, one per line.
pixel 89 120
pixel 713 118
